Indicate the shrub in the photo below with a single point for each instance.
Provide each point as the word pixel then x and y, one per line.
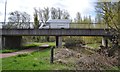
pixel 22 55
pixel 91 40
pixel 73 42
pixel 35 65
pixel 31 45
pixel 8 51
pixel 52 39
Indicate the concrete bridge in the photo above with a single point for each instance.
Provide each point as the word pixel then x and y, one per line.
pixel 12 37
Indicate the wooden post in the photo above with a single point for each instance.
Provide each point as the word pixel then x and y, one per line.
pixel 52 55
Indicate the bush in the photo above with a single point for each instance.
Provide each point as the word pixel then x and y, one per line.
pixel 52 39
pixel 31 45
pixel 23 55
pixel 73 42
pixel 91 39
pixel 8 51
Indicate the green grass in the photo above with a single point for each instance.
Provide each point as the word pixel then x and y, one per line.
pixel 39 60
pixel 39 44
pixel 116 68
pixel 34 61
pixel 8 50
pixel 51 44
pixel 26 46
pixel 94 46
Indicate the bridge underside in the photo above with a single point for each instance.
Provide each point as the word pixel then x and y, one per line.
pixel 11 38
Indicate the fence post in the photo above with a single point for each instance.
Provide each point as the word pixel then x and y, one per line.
pixel 52 55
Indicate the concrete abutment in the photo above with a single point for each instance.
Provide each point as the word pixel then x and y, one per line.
pixel 11 41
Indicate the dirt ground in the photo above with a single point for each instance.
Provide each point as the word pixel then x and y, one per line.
pixel 84 59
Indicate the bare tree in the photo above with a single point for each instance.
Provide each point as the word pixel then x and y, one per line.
pixel 78 18
pixel 36 21
pixel 18 19
pixel 57 13
pixel 65 14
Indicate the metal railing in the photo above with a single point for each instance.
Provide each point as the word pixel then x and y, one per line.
pixel 30 25
pixel 16 25
pixel 88 26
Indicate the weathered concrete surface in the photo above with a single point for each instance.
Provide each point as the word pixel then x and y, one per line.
pixel 0 39
pixel 0 42
pixel 58 41
pixel 12 41
pixel 55 32
pixel 105 41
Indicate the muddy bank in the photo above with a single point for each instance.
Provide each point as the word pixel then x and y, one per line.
pixel 84 59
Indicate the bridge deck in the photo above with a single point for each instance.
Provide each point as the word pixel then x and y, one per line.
pixel 54 32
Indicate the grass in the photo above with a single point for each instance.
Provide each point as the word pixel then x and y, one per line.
pixel 26 46
pixel 8 50
pixel 39 60
pixel 35 61
pixel 51 44
pixel 116 68
pixel 94 46
pixel 39 44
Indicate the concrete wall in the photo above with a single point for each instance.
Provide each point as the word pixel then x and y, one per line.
pixel 105 41
pixel 58 41
pixel 0 38
pixel 0 42
pixel 12 41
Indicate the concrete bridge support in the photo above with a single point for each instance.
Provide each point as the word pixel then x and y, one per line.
pixel 58 41
pixel 104 41
pixel 0 42
pixel 12 41
pixel 3 42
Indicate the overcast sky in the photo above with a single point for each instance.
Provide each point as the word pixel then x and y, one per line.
pixel 85 7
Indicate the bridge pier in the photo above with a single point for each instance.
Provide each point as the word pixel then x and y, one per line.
pixel 0 42
pixel 58 41
pixel 104 42
pixel 11 41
